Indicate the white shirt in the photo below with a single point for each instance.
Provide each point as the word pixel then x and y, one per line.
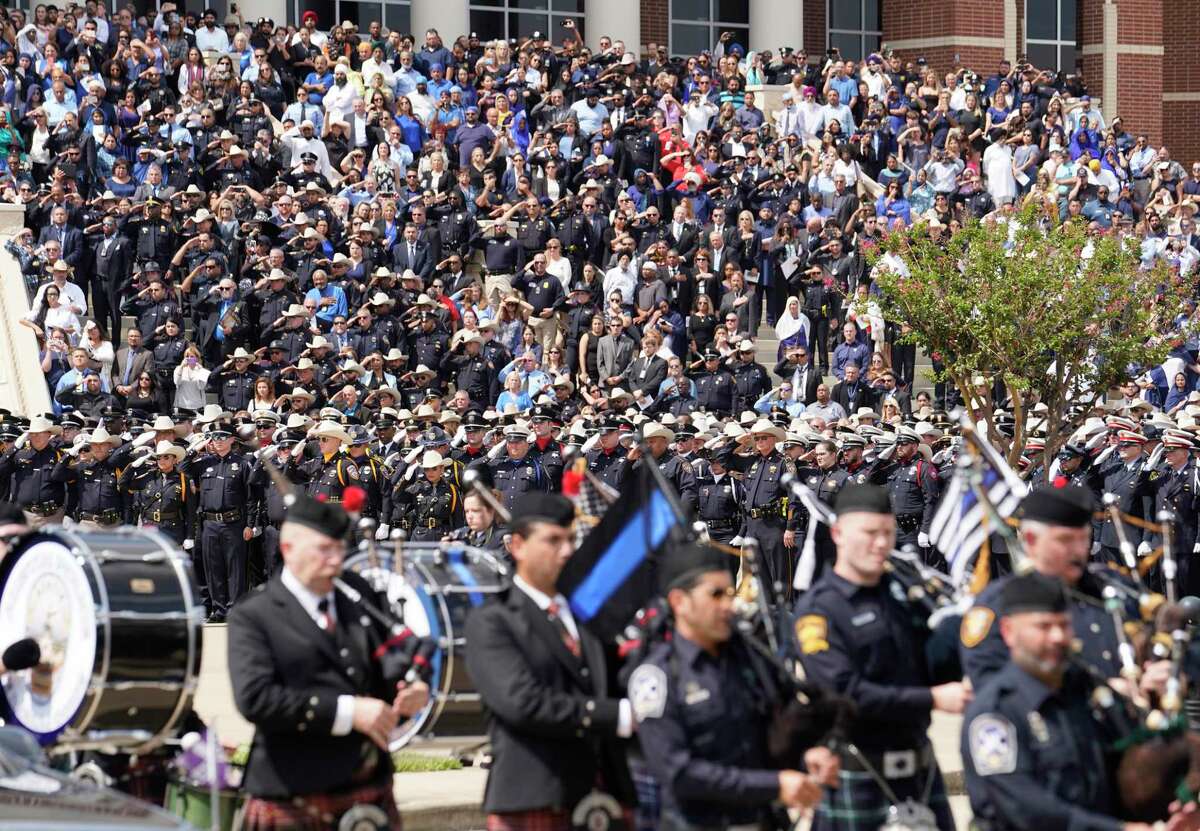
pixel 309 600
pixel 542 601
pixel 69 294
pixel 212 41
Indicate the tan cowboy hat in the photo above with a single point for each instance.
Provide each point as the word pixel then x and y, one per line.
pixel 431 458
pixel 331 430
pixel 564 381
pixel 167 448
pixel 304 363
pixel 41 424
pixel 301 392
pixel 102 436
pixel 394 354
pixel 163 423
pixel 654 430
pixel 421 370
pixel 241 354
pixel 425 411
pixel 211 413
pixel 298 422
pixel 381 299
pixel 278 274
pixel 765 427
pixel 318 342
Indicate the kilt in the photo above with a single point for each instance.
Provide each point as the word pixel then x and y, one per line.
pixel 649 795
pixel 318 812
pixel 858 803
pixel 540 820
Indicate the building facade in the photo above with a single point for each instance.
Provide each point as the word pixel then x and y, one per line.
pixel 1137 56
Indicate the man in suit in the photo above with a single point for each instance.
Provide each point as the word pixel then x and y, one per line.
pixel 70 238
pixel 301 660
pixel 411 253
pixel 554 722
pixel 114 265
pixel 132 360
pixel 795 367
pixel 852 392
pixel 613 352
pixel 645 373
pixel 683 235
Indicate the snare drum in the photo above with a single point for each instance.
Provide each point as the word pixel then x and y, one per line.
pixel 436 587
pixel 119 627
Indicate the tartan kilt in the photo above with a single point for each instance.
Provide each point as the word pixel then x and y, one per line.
pixel 540 820
pixel 858 803
pixel 649 795
pixel 318 812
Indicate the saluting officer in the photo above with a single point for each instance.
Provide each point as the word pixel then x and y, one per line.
pixel 456 228
pixel 1125 476
pixel 1034 753
pixel 1055 532
pixel 767 516
pixel 609 459
pixel 856 634
pixel 269 509
pixel 165 497
pixel 912 484
pixel 516 472
pixel 1174 488
pixel 328 475
pixel 153 237
pixel 703 702
pixel 545 448
pixel 373 474
pixel 715 386
pixel 674 469
pixel 94 467
pixel 28 466
pixel 719 500
pixel 826 480
pixel 223 480
pixel 432 500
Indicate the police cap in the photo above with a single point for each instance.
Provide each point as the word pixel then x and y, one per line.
pixel 553 508
pixel 1071 506
pixel 682 564
pixel 327 518
pixel 1032 592
pixel 863 499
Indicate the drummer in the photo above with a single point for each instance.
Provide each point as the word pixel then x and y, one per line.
pixel 300 658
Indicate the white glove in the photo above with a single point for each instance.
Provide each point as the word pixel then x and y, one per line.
pixel 1095 548
pixel 257 532
pixel 144 439
pixel 413 455
pixel 196 442
pixel 21 441
pixel 139 461
pixel 1196 548
pixel 188 545
pixel 267 452
pixel 1143 548
pixel 126 436
pixel 922 540
pixel 381 533
pixel 298 450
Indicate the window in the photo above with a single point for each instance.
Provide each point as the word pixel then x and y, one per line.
pixel 1050 34
pixel 697 25
pixel 855 28
pixel 507 19
pixel 393 14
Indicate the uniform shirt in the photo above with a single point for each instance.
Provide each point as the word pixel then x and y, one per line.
pixel 1033 757
pixel 701 725
pixel 864 643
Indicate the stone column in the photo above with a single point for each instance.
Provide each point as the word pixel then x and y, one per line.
pixel 619 19
pixel 776 23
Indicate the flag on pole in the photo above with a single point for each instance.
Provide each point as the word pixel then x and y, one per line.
pixel 959 528
pixel 818 511
pixel 590 495
pixel 611 575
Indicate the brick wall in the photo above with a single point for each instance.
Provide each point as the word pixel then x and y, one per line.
pixel 655 14
pixel 1181 74
pixel 814 28
pixel 904 20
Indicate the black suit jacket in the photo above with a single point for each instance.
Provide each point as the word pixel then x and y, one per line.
pixel 422 264
pixel 71 239
pixel 865 396
pixel 114 261
pixel 287 675
pixel 786 370
pixel 552 717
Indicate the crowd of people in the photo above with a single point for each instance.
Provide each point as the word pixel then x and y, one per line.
pixel 357 258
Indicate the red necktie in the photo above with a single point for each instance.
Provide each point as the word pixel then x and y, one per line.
pixel 569 640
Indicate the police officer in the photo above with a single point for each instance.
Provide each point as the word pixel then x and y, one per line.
pixel 719 498
pixel 223 482
pixel 1123 473
pixel 94 466
pixel 233 381
pixel 456 228
pixel 28 466
pixel 912 484
pixel 767 516
pixel 750 379
pixel 826 479
pixel 715 386
pixel 480 528
pixel 474 428
pixel 373 474
pixel 545 447
pixel 470 370
pixel 609 459
pixel 516 472
pixel 856 634
pixel 675 470
pixel 703 701
pixel 1033 750
pixel 153 238
pixel 1175 491
pixel 329 474
pixel 1055 532
pixel 432 500
pixel 165 496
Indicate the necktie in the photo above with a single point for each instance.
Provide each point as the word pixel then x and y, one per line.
pixel 128 368
pixel 324 618
pixel 569 640
pixel 412 255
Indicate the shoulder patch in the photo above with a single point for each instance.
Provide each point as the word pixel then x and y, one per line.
pixel 993 743
pixel 975 626
pixel 648 692
pixel 812 633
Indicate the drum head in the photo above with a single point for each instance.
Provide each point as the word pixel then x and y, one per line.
pixel 47 594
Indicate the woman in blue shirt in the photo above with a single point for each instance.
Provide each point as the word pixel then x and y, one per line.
pixel 512 395
pixel 891 205
pixel 412 129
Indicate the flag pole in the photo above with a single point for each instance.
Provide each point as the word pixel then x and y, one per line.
pixel 974 476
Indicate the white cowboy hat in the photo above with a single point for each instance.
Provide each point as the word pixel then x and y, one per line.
pixel 431 458
pixel 41 424
pixel 764 427
pixel 331 430
pixel 167 448
pixel 654 430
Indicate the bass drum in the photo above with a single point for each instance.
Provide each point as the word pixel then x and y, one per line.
pixel 119 627
pixel 434 589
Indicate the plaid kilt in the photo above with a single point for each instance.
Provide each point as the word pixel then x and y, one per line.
pixel 317 812
pixel 542 819
pixel 649 795
pixel 858 804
